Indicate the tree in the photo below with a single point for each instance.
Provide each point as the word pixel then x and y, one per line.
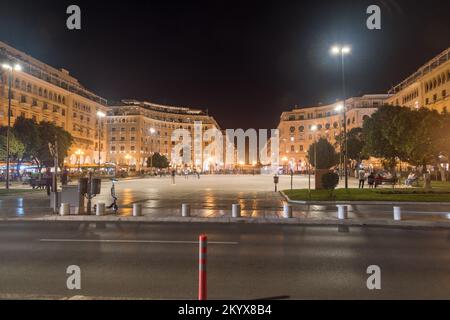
pixel 158 161
pixel 421 145
pixel 16 147
pixel 384 135
pixel 49 133
pixel 355 144
pixel 326 154
pixel 26 130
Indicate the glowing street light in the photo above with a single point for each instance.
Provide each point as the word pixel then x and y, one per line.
pixel 10 69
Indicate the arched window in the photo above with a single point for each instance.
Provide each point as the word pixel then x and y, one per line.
pixel 40 92
pixel 335 125
pixel 292 129
pixel 327 126
pixel 301 128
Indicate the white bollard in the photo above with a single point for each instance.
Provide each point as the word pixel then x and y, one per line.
pixel 397 213
pixel 342 212
pixel 185 210
pixel 236 210
pixel 137 209
pixel 65 209
pixel 287 211
pixel 101 209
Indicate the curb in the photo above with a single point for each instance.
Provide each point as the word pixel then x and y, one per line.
pixel 393 203
pixel 248 221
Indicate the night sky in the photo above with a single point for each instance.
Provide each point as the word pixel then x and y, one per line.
pixel 244 61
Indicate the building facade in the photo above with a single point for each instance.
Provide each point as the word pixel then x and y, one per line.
pixel 43 93
pixel 138 129
pixel 428 87
pixel 296 126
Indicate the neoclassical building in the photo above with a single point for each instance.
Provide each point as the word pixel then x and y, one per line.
pixel 44 93
pixel 137 129
pixel 296 126
pixel 428 87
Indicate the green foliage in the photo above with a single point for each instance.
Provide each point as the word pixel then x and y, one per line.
pixel 158 161
pixel 330 180
pixel 30 141
pixel 26 130
pixel 326 154
pixel 414 136
pixel 383 136
pixel 49 133
pixel 16 147
pixel 355 144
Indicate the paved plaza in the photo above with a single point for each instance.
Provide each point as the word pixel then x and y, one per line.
pixel 212 196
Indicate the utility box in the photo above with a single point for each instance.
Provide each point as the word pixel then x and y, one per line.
pixel 83 185
pixel 96 185
pixel 75 199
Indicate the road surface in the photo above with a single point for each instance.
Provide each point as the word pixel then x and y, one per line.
pixel 159 261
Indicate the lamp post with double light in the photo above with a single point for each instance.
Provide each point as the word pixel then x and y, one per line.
pixel 10 69
pixel 343 51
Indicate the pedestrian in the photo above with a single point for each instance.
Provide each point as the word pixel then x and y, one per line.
pixel 371 180
pixel 186 174
pixel 48 181
pixel 362 178
pixel 173 176
pixel 378 180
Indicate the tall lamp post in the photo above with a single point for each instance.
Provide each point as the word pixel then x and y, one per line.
pixel 343 51
pixel 10 69
pixel 152 133
pixel 100 116
pixel 339 109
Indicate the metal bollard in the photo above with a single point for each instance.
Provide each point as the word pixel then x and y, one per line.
pixel 287 211
pixel 101 209
pixel 137 209
pixel 342 212
pixel 236 210
pixel 185 210
pixel 65 209
pixel 397 213
pixel 202 284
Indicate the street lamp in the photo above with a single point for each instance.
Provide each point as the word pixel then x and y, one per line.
pixel 100 115
pixel 79 153
pixel 10 69
pixel 339 108
pixel 152 132
pixel 343 51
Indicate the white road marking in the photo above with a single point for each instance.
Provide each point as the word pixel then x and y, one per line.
pixel 137 241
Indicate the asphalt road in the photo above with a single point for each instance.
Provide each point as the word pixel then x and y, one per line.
pixel 159 261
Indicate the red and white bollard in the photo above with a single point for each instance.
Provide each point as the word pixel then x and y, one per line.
pixel 202 287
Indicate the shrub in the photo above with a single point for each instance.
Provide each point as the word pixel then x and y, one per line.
pixel 330 180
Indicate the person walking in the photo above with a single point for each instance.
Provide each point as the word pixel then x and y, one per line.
pixel 48 181
pixel 173 176
pixel 362 178
pixel 371 180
